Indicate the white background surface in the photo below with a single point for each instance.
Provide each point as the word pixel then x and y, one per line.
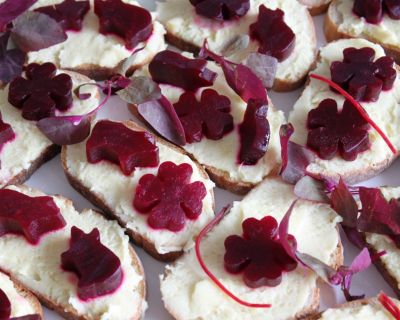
pixel 50 178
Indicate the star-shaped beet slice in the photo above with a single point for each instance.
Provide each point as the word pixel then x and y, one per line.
pixel 116 143
pixel 31 217
pixel 331 132
pixel 170 198
pixel 359 75
pixel 276 38
pixel 373 10
pixel 258 254
pixel 69 13
pixel 221 10
pixel 209 116
pixel 42 92
pixel 97 267
pixel 132 23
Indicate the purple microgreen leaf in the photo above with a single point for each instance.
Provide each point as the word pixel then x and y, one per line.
pixel 344 204
pixel 264 67
pixel 11 61
pixel 62 131
pixel 34 31
pixel 125 66
pixel 295 158
pixel 324 271
pixel 308 188
pixel 162 117
pixel 11 9
pixel 283 232
pixel 239 77
pixel 235 44
pixel 354 236
pixel 140 90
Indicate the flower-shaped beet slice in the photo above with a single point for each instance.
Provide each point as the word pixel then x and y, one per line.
pixel 276 38
pixel 114 142
pixel 373 10
pixel 173 68
pixel 363 78
pixel 7 134
pixel 332 132
pixel 29 216
pixel 97 267
pixel 258 253
pixel 69 13
pixel 221 9
pixel 132 23
pixel 170 198
pixel 42 92
pixel 209 116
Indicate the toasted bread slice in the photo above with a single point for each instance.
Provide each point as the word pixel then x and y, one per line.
pixel 21 157
pixel 369 308
pixel 371 162
pixel 187 31
pixel 316 7
pixel 188 293
pixel 220 157
pixel 22 301
pixel 96 55
pixel 117 202
pixel 37 268
pixel 341 22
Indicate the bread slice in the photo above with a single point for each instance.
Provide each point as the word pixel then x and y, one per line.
pixel 187 31
pixel 37 268
pixel 22 301
pixel 96 55
pixel 21 157
pixel 117 201
pixel 341 22
pixel 188 293
pixel 316 7
pixel 383 112
pixel 220 157
pixel 369 308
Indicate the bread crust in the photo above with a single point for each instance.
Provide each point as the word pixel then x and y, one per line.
pixel 109 212
pixel 331 30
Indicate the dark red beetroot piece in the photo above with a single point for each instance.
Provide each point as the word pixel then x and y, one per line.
pixel 173 68
pixel 7 134
pixel 42 92
pixel 5 306
pixel 258 253
pixel 116 143
pixel 130 22
pixel 359 75
pixel 373 10
pixel 221 9
pixel 254 133
pixel 209 116
pixel 31 217
pixel 97 267
pixel 332 132
pixel 69 13
pixel 170 198
pixel 276 38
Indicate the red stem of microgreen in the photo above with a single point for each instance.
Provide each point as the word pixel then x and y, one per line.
pixel 358 106
pixel 389 305
pixel 200 237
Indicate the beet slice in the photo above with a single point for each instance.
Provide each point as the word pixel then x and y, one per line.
pixel 97 267
pixel 42 92
pixel 132 23
pixel 169 198
pixel 116 143
pixel 5 306
pixel 276 38
pixel 374 10
pixel 172 68
pixel 7 134
pixel 221 10
pixel 31 217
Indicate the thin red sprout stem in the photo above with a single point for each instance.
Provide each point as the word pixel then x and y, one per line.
pixel 389 305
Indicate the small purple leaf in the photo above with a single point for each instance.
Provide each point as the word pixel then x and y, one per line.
pixel 162 117
pixel 295 158
pixel 235 44
pixel 63 131
pixel 324 271
pixel 344 204
pixel 283 232
pixel 34 31
pixel 308 188
pixel 354 236
pixel 140 90
pixel 11 61
pixel 264 67
pixel 11 9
